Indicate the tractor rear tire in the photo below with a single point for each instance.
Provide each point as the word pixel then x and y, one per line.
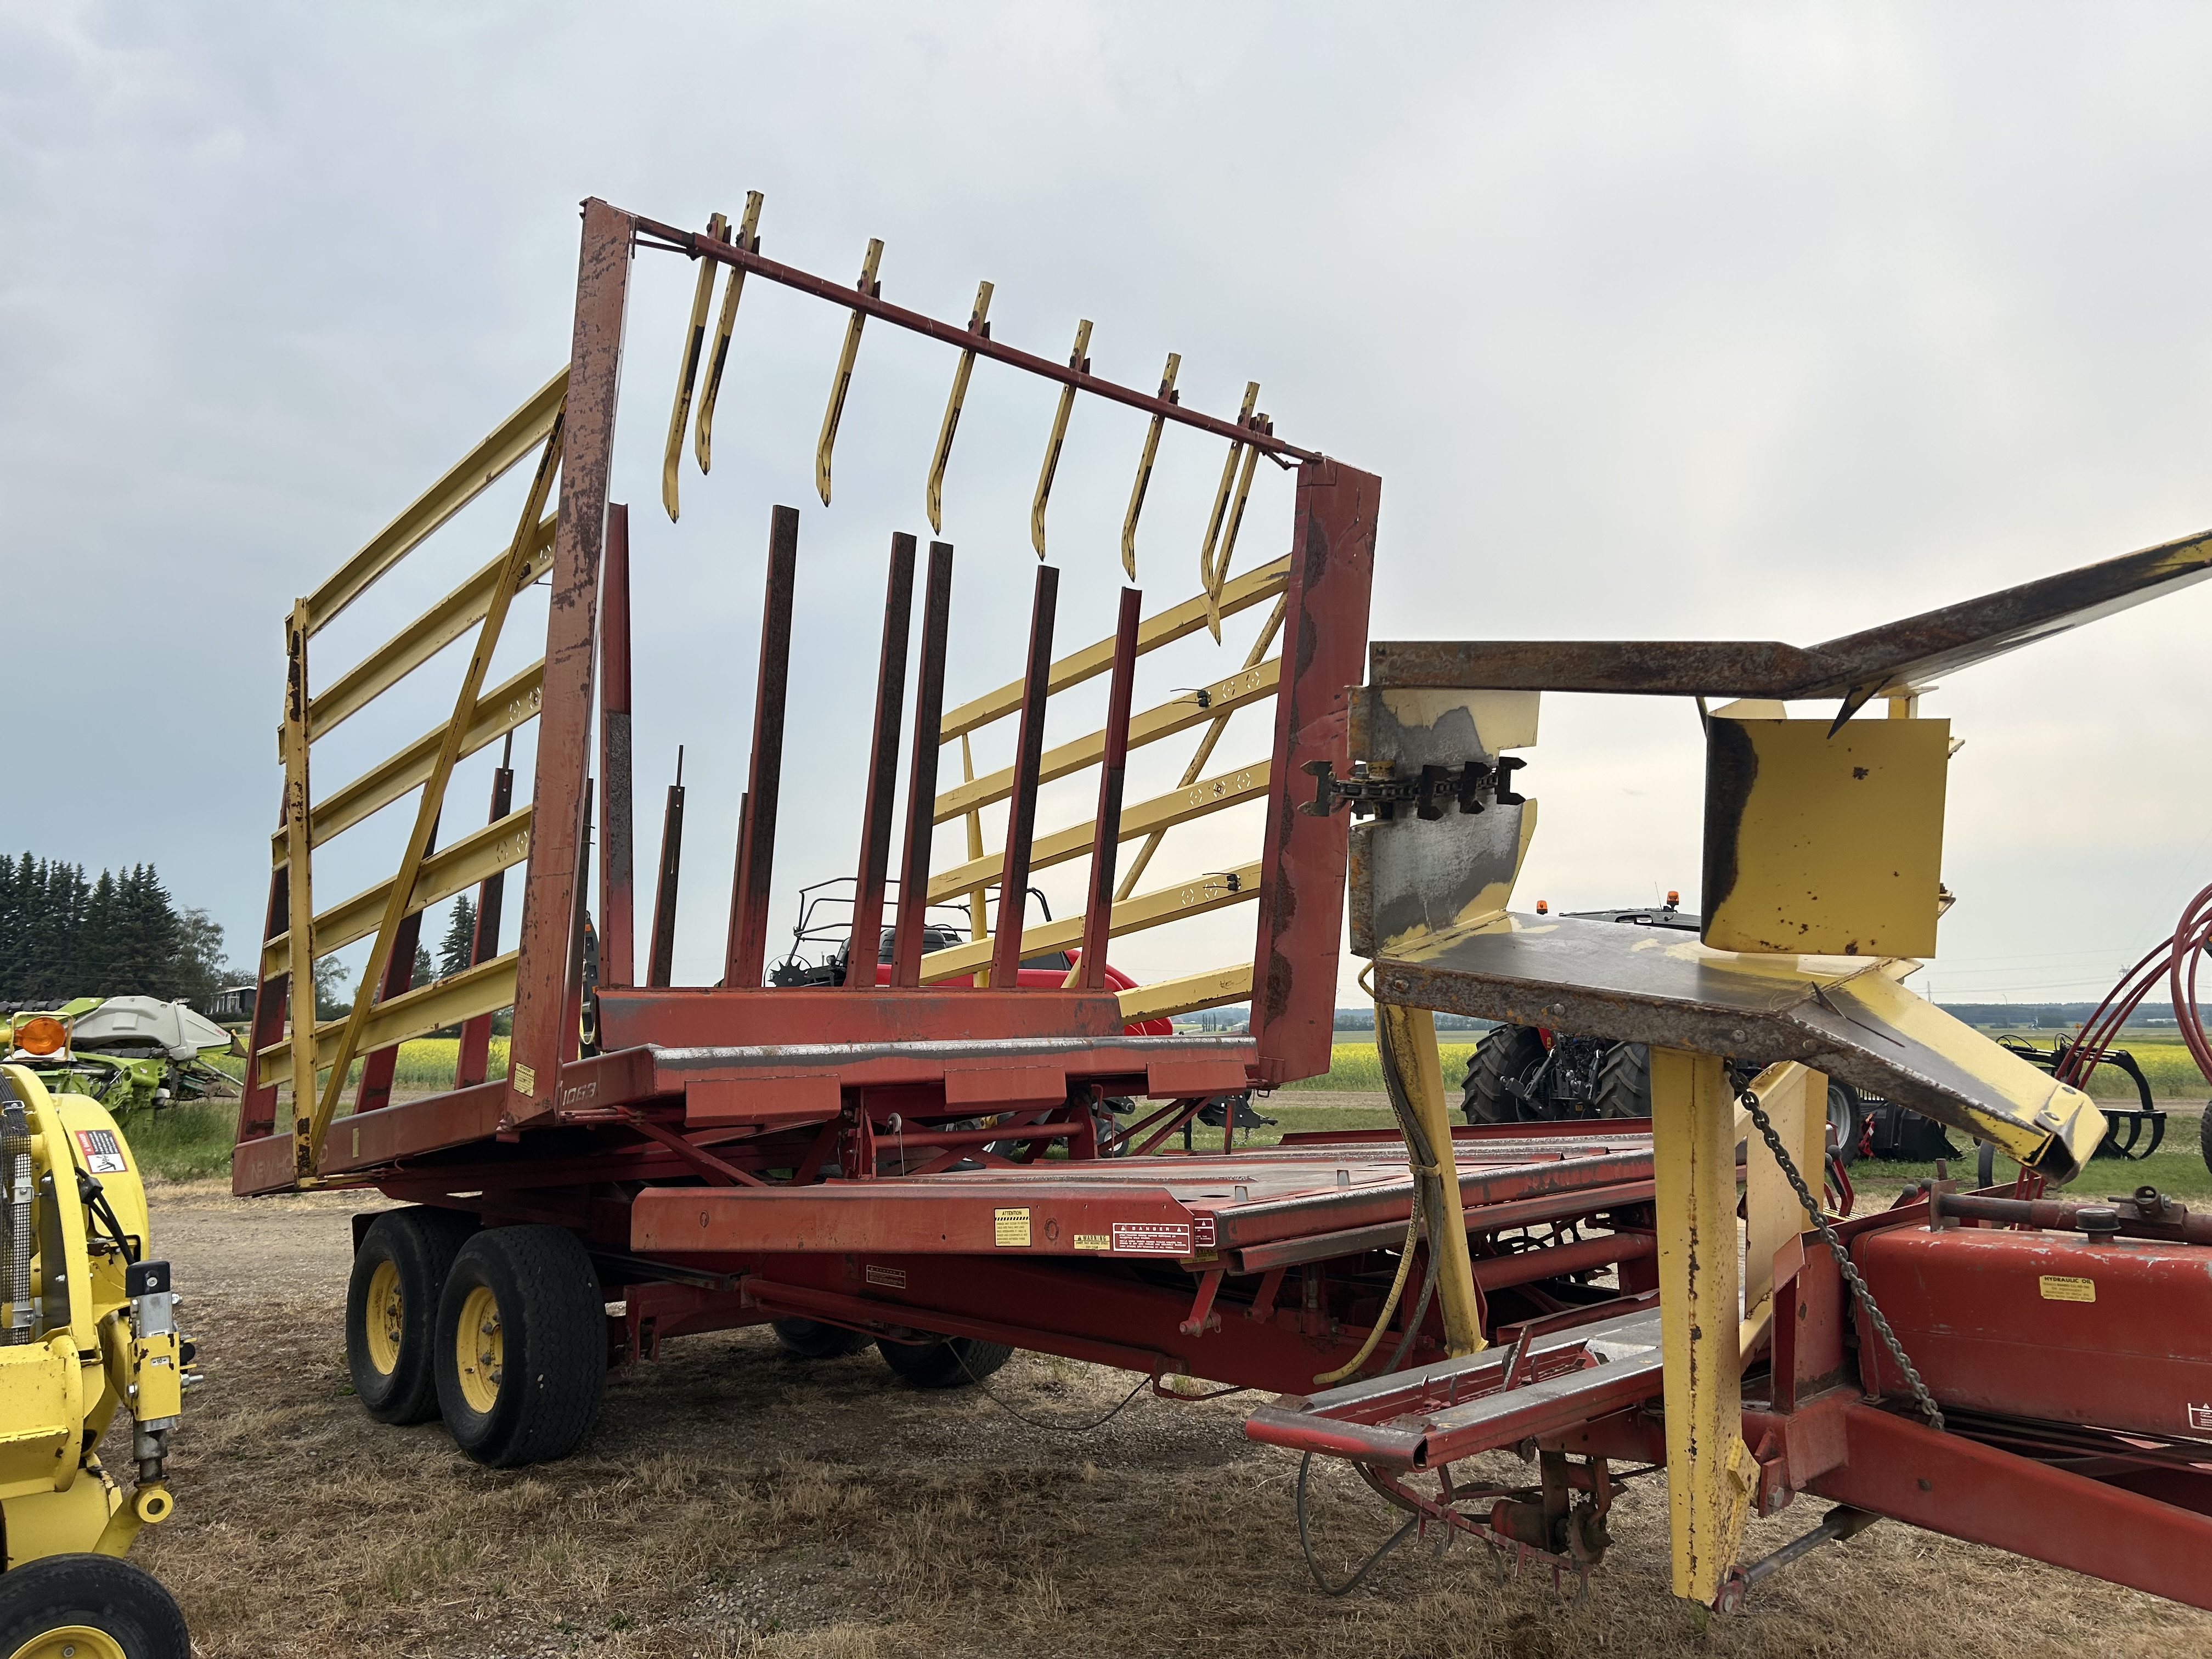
pixel 952 1364
pixel 1624 1081
pixel 522 1346
pixel 59 1603
pixel 1846 1121
pixel 392 1307
pixel 810 1338
pixel 1504 1054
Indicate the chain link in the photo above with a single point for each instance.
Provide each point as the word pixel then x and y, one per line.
pixel 1844 1262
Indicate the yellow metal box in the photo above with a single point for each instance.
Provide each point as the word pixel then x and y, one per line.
pixel 1824 845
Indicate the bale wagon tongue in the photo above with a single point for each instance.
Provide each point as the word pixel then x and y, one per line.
pixel 919 1159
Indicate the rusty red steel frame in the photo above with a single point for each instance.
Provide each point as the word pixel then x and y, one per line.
pixel 743 1152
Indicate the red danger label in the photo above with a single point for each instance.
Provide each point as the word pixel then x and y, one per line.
pixel 103 1153
pixel 1152 1238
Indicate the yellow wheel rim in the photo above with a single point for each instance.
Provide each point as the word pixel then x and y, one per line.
pixel 384 1319
pixel 479 1349
pixel 70 1641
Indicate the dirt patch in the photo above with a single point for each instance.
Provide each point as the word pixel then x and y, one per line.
pixel 731 1502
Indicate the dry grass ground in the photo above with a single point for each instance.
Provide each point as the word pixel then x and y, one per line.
pixel 734 1501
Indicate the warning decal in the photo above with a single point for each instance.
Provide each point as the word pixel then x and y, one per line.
pixel 2200 1418
pixel 1010 1228
pixel 891 1279
pixel 1151 1237
pixel 1094 1242
pixel 103 1153
pixel 1201 1231
pixel 2058 1287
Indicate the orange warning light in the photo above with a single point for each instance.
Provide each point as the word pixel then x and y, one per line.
pixel 1543 908
pixel 41 1034
pixel 1673 897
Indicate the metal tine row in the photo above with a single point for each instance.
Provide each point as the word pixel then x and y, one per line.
pixel 1214 553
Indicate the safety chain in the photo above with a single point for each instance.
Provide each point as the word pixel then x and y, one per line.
pixel 1928 1409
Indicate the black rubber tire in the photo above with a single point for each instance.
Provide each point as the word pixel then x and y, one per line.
pixel 1624 1081
pixel 127 1604
pixel 1501 1053
pixel 553 1331
pixel 810 1338
pixel 952 1364
pixel 421 1244
pixel 1846 1119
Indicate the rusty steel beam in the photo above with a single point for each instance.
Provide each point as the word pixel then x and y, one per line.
pixel 921 779
pixel 617 885
pixel 1855 666
pixel 661 966
pixel 747 950
pixel 866 302
pixel 864 946
pixel 1098 912
pixel 1302 886
pixel 549 898
pixel 1021 816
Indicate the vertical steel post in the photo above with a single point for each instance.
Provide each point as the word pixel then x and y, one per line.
pixel 1106 839
pixel 661 967
pixel 1021 808
pixel 298 888
pixel 921 776
pixel 1301 905
pixel 617 890
pixel 377 1069
pixel 257 1104
pixel 866 947
pixel 472 1062
pixel 549 899
pixel 748 944
pixel 1710 1471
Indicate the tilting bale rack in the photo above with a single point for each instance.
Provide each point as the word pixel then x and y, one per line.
pixel 917 1157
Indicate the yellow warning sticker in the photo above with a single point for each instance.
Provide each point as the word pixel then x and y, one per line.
pixel 526 1080
pixel 2057 1287
pixel 1094 1241
pixel 1011 1227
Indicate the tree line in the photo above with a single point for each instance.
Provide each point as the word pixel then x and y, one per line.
pixel 64 934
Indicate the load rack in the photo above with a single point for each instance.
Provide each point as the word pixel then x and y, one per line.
pixel 920 1158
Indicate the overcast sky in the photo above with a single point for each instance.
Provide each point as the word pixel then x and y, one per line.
pixel 1768 322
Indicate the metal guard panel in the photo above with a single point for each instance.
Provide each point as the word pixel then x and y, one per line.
pixel 1847 1019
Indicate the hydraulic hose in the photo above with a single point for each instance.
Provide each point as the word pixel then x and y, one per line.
pixel 15 1241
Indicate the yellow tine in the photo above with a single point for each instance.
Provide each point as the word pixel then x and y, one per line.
pixel 1229 539
pixel 977 324
pixel 1221 507
pixel 838 387
pixel 1079 361
pixel 687 376
pixel 1145 468
pixel 702 442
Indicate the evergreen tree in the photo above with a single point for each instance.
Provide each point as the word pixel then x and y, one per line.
pixel 425 969
pixel 331 976
pixel 454 954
